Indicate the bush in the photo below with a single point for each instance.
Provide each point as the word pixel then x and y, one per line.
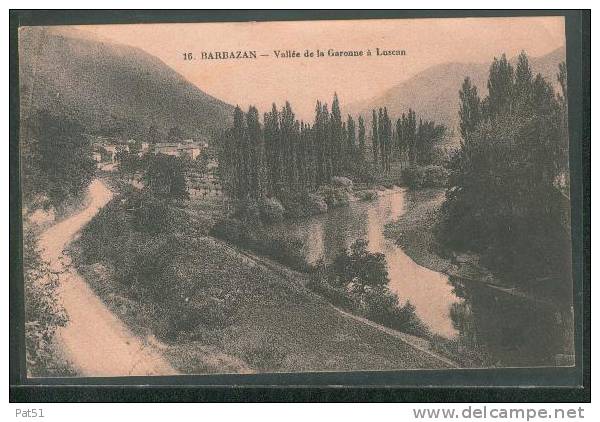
pixel 43 314
pixel 231 230
pixel 247 210
pixel 316 204
pixel 283 248
pixel 302 204
pixel 151 215
pixel 147 263
pixel 336 296
pixel 102 238
pixel 417 177
pixel 151 267
pixel 357 281
pixel 287 250
pixel 360 267
pixel 383 308
pixel 342 182
pixel 334 197
pixel 366 195
pixel 407 320
pixel 271 210
pixel 363 172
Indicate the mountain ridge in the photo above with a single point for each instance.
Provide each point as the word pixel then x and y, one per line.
pixel 111 88
pixel 433 92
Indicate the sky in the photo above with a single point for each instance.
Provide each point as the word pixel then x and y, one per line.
pixel 302 81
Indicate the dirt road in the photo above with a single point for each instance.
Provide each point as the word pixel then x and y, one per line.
pixel 95 341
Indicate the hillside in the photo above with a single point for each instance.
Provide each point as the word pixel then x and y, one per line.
pixel 111 89
pixel 433 93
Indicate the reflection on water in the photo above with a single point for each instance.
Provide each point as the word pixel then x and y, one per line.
pixel 512 331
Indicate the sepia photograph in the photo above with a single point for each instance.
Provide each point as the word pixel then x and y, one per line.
pixel 312 196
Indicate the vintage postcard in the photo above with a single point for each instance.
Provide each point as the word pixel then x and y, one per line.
pixel 299 196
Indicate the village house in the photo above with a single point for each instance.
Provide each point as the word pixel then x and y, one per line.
pixel 185 148
pixel 105 148
pixel 192 151
pixel 112 150
pixel 167 148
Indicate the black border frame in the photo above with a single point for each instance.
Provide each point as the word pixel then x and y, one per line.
pixel 544 384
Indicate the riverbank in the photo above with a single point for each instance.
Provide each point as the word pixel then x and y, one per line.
pixel 221 310
pixel 274 323
pixel 414 232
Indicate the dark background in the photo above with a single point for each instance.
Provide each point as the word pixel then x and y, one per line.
pixel 468 385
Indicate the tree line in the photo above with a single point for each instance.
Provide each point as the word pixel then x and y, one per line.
pixel 284 154
pixel 56 159
pixel 508 195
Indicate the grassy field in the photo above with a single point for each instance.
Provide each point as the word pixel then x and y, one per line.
pixel 274 323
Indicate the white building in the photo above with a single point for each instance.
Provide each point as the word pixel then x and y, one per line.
pixel 186 148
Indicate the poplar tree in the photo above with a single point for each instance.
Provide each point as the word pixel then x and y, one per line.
pixel 375 137
pixel 351 139
pixel 500 87
pixel 289 129
pixel 337 136
pixel 508 189
pixel 523 79
pixel 469 109
pixel 255 167
pixel 273 156
pixel 387 139
pixel 400 138
pixel 361 137
pixel 322 144
pixel 411 135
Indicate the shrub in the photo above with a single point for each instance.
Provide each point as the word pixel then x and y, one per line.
pixel 151 215
pixel 248 210
pixel 334 197
pixel 231 230
pixel 43 314
pixel 283 248
pixel 360 267
pixel 288 251
pixel 165 176
pixel 363 172
pixel 342 182
pixel 366 195
pixel 417 177
pixel 102 238
pixel 302 204
pixel 382 307
pixel 316 204
pixel 271 210
pixel 147 265
pixel 407 320
pixel 357 281
pixel 336 296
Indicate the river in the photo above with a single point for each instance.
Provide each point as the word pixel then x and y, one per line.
pixel 507 330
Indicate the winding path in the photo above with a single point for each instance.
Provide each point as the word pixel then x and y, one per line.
pixel 95 341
